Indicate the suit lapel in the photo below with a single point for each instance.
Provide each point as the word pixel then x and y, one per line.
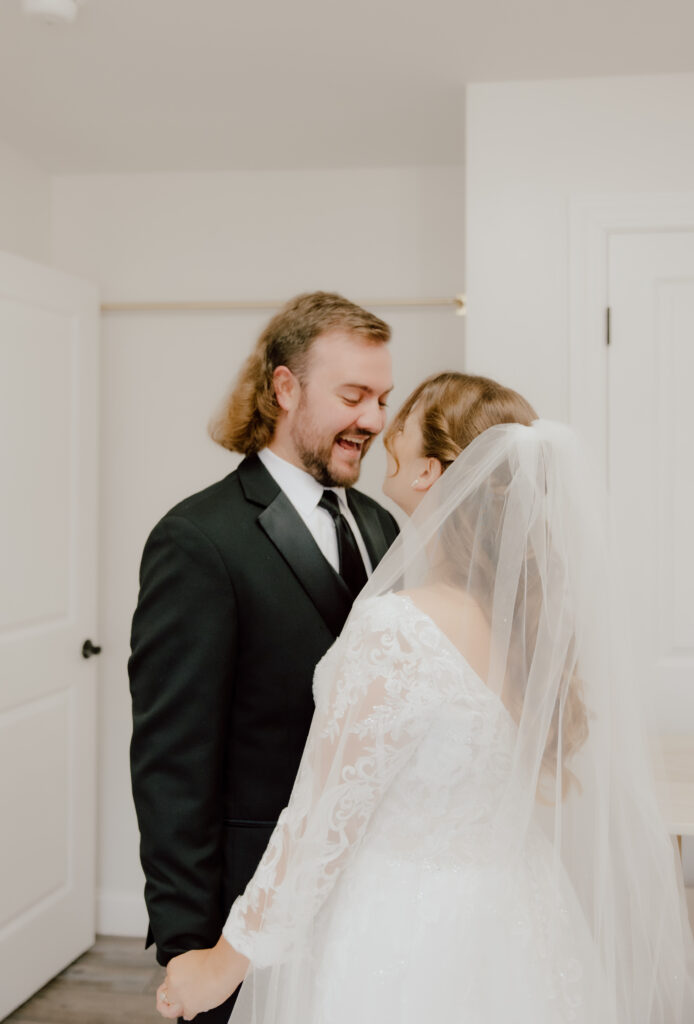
pixel 369 526
pixel 283 525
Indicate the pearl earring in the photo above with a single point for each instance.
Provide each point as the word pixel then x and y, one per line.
pixel 415 482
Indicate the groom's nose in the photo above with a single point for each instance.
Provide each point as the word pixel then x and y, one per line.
pixel 372 417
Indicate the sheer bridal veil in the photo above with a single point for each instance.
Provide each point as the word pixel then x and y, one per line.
pixel 507 551
pixel 518 525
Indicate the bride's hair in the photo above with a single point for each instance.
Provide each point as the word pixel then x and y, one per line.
pixel 454 409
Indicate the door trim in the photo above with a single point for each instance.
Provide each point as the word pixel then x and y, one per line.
pixel 593 219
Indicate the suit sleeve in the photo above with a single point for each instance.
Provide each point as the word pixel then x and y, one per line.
pixel 181 676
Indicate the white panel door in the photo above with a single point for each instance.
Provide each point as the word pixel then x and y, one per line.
pixel 651 456
pixel 48 481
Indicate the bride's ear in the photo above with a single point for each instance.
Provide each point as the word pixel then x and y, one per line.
pixel 428 475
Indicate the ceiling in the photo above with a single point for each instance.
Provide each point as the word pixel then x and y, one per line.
pixel 190 85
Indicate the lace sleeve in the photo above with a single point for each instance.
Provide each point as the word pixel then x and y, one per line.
pixel 374 701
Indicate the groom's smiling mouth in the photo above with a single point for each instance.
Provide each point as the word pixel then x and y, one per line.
pixel 356 443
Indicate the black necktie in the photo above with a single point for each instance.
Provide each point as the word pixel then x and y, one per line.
pixel 351 563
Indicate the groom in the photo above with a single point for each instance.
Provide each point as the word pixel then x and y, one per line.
pixel 243 587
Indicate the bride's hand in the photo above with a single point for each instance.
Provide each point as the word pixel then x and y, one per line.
pixel 199 980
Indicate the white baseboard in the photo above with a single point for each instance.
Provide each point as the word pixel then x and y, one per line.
pixel 121 913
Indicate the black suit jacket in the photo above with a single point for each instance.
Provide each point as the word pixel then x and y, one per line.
pixel 237 605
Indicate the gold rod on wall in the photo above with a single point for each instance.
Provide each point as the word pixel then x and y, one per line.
pixel 457 303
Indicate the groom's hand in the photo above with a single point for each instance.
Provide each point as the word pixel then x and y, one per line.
pixel 200 980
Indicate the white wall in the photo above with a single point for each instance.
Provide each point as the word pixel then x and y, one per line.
pixel 532 149
pixel 366 233
pixel 25 227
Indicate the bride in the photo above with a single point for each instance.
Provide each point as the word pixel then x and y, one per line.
pixel 473 835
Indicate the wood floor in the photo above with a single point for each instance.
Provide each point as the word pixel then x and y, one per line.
pixel 113 983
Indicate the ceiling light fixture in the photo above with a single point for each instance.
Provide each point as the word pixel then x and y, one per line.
pixel 54 11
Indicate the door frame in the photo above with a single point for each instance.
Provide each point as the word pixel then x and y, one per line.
pixel 593 219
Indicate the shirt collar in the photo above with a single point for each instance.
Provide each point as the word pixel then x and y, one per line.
pixel 301 488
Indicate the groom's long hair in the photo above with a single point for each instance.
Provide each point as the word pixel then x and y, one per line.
pixel 246 422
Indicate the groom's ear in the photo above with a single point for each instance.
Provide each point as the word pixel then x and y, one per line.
pixel 287 388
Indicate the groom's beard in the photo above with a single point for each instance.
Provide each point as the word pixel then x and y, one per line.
pixel 317 454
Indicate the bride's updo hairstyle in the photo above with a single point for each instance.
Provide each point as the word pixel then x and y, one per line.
pixel 453 409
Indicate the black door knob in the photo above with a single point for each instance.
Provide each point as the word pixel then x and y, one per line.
pixel 88 648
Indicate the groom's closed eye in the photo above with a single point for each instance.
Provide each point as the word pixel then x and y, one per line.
pixel 355 394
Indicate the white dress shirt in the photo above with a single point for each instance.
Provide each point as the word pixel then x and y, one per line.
pixel 305 492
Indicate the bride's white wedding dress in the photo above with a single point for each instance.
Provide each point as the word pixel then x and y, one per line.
pixel 466 851
pixel 389 892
